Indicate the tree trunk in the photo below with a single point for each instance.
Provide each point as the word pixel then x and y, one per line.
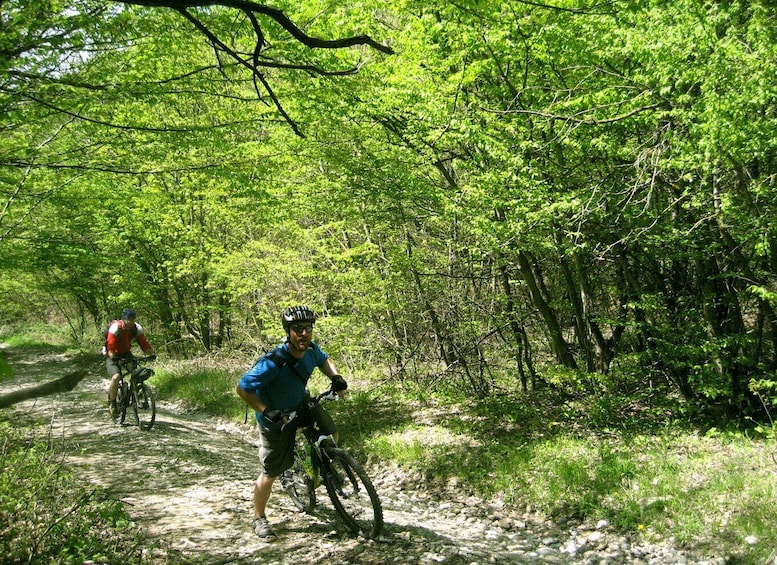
pixel 558 343
pixel 515 326
pixel 581 326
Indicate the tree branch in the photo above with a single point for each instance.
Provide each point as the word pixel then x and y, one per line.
pixel 62 384
pixel 254 63
pixel 252 67
pixel 276 14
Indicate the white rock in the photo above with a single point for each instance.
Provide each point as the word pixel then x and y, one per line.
pixel 570 548
pixel 595 536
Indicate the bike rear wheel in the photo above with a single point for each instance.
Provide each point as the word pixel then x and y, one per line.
pixel 353 496
pixel 143 406
pixel 299 485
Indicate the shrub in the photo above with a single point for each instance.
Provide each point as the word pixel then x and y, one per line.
pixel 48 516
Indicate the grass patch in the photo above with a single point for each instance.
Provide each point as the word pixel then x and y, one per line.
pixel 36 336
pixel 50 516
pixel 414 445
pixel 709 490
pixel 6 371
pixel 200 386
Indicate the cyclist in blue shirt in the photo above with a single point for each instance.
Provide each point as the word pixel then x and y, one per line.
pixel 276 385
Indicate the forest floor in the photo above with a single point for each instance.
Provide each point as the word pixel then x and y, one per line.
pixel 187 484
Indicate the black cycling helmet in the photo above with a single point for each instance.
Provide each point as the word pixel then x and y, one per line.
pixel 128 314
pixel 297 314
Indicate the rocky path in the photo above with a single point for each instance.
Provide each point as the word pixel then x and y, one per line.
pixel 187 484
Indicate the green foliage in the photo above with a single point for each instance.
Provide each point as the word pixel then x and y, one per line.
pixel 49 515
pixel 766 391
pixel 553 456
pixel 511 190
pixel 203 387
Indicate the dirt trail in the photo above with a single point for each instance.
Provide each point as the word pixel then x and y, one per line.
pixel 187 483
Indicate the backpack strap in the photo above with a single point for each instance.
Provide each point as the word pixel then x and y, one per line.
pixel 276 357
pixel 121 329
pixel 281 358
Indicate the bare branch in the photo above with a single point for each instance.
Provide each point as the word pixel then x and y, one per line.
pixel 275 14
pixel 251 11
pixel 256 73
pixel 574 120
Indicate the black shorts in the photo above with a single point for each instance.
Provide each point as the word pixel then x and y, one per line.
pixel 276 451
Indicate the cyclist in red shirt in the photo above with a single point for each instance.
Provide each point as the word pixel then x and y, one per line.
pixel 118 345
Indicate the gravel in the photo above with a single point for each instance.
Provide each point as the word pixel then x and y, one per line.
pixel 188 482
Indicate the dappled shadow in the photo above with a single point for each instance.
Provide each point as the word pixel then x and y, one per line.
pixel 188 482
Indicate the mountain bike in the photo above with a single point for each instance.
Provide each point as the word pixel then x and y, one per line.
pixel 318 459
pixel 135 394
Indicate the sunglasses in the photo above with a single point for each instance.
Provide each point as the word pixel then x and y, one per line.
pixel 299 328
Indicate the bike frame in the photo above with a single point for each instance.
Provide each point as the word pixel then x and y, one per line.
pixel 348 486
pixel 130 393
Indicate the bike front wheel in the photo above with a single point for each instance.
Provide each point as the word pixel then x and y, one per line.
pixel 353 496
pixel 121 403
pixel 144 406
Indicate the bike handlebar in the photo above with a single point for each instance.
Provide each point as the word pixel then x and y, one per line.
pixel 291 415
pixel 125 360
pixel 330 394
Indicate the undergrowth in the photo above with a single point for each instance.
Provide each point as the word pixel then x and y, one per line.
pixel 49 516
pixel 649 465
pixel 201 387
pixel 650 477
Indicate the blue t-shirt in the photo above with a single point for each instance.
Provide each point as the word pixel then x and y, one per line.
pixel 282 388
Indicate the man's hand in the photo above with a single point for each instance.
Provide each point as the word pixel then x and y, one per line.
pixel 273 415
pixel 339 385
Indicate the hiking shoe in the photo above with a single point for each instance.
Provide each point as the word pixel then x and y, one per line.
pixel 262 528
pixel 113 409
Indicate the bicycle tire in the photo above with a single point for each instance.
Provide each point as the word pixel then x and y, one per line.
pixel 354 497
pixel 121 402
pixel 118 415
pixel 299 485
pixel 143 406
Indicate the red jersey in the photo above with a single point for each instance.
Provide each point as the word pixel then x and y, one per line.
pixel 119 338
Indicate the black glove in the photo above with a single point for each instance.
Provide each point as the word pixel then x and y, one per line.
pixel 338 383
pixel 273 415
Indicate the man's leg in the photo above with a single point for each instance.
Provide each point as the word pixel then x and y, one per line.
pixel 325 422
pixel 113 389
pixel 115 374
pixel 262 491
pixel 276 453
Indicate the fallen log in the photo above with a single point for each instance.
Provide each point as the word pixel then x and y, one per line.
pixel 62 384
